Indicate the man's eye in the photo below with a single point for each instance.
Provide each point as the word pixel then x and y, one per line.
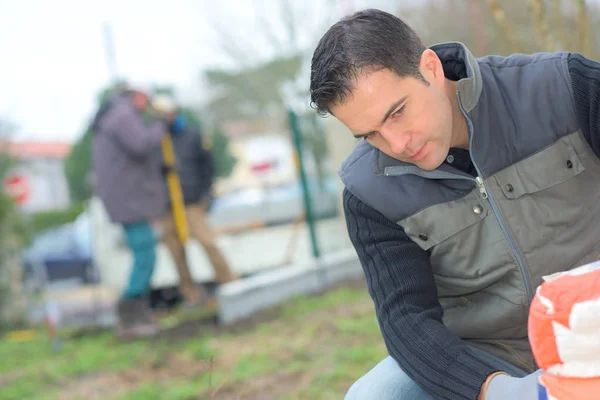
pixel 369 136
pixel 399 111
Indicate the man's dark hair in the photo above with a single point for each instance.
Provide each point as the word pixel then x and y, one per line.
pixel 367 40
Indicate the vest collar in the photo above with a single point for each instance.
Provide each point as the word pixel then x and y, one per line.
pixel 458 63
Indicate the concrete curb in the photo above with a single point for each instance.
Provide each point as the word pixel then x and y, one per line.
pixel 240 299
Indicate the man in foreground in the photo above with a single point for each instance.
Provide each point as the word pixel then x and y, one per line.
pixel 473 179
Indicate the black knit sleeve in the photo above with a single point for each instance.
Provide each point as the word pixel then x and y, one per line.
pixel 401 283
pixel 585 80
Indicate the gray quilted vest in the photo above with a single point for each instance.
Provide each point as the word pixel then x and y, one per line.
pixel 533 209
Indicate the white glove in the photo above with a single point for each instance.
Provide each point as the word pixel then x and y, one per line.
pixel 504 387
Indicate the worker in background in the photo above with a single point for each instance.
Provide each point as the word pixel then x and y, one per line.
pixel 128 180
pixel 194 166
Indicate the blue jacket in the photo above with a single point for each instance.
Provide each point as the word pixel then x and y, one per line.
pixel 194 164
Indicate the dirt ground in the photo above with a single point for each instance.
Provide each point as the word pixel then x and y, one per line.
pixel 180 367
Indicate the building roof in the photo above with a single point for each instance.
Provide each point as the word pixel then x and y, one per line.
pixel 31 149
pixel 248 127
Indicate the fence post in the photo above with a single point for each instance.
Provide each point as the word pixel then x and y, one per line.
pixel 310 221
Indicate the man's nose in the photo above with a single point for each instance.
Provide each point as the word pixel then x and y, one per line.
pixel 398 140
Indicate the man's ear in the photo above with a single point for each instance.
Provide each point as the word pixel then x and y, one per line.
pixel 431 67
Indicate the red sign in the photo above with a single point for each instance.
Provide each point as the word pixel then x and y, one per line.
pixel 263 166
pixel 17 187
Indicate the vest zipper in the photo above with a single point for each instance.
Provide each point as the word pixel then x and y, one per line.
pixel 485 195
pixel 481 187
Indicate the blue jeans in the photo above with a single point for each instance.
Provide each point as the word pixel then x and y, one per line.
pixel 142 243
pixel 387 381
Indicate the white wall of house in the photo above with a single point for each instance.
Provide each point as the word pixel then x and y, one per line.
pixel 48 189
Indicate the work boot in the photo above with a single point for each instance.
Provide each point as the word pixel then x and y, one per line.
pixel 208 303
pixel 134 320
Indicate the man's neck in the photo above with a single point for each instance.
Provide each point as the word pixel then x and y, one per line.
pixel 460 130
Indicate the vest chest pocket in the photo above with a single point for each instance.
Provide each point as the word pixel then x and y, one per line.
pixel 553 165
pixel 549 202
pixel 439 222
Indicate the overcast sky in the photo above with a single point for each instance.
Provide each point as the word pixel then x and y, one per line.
pixel 53 59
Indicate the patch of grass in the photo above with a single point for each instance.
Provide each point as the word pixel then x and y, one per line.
pixel 178 389
pixel 254 364
pixel 22 355
pixel 356 326
pixel 199 349
pixel 42 370
pixel 182 391
pixel 302 305
pixel 210 382
pixel 93 354
pixel 360 356
pixel 327 341
pixel 336 376
pixel 265 330
pixel 29 387
pixel 247 367
pixel 320 393
pixel 181 315
pixel 324 394
pixel 145 391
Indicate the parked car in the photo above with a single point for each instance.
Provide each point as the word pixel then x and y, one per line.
pixel 273 206
pixel 61 253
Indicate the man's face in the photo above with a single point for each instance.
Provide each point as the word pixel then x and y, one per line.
pixel 171 116
pixel 140 100
pixel 406 118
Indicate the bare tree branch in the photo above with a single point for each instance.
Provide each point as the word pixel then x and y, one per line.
pixel 507 28
pixel 536 8
pixel 266 28
pixel 477 27
pixel 238 47
pixel 584 27
pixel 289 21
pixel 558 24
